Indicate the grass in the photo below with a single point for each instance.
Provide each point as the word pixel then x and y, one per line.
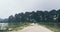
pixel 55 29
pixel 3 31
pixel 22 25
pixel 19 26
pixel 51 26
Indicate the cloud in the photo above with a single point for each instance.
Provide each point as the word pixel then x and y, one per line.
pixel 11 7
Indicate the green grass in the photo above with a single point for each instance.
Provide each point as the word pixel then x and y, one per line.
pixel 51 26
pixel 19 26
pixel 3 31
pixel 22 25
pixel 55 29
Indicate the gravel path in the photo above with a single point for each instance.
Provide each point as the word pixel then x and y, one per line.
pixel 34 28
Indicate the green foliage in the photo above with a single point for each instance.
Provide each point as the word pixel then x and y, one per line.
pixel 51 18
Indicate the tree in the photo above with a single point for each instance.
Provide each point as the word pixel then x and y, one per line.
pixel 19 17
pixel 58 17
pixel 53 14
pixel 46 16
pixel 27 16
pixel 58 14
pixel 11 19
pixel 33 16
pixel 39 16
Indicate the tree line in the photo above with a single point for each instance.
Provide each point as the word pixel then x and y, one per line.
pixel 52 16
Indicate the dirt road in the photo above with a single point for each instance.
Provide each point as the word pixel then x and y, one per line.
pixel 34 28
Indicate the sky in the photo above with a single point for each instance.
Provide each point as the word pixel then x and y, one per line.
pixel 11 7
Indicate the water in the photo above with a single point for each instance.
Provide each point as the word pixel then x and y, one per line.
pixel 3 26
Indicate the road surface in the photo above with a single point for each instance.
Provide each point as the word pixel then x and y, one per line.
pixel 34 28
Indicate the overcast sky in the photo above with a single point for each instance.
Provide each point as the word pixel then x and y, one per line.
pixel 11 7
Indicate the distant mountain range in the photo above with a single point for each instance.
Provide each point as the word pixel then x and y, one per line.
pixel 1 19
